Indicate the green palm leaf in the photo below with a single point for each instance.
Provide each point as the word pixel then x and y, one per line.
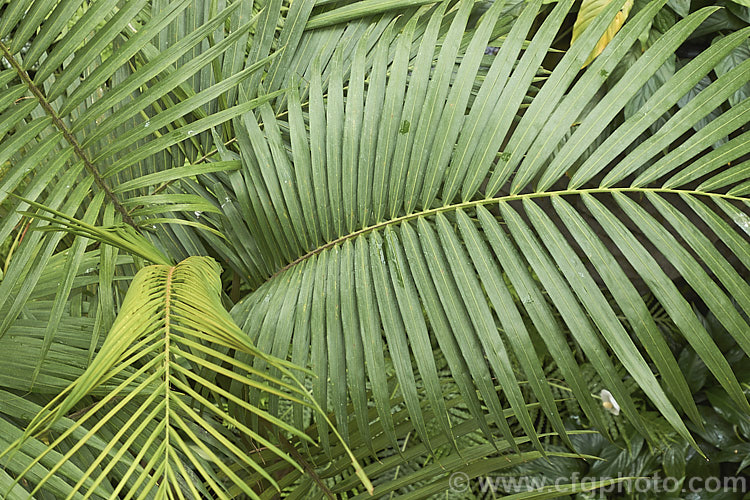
pixel 96 127
pixel 413 469
pixel 465 270
pixel 421 225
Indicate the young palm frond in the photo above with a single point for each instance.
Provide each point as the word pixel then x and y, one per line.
pixel 170 342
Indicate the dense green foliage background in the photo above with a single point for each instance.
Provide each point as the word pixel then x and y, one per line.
pixel 322 249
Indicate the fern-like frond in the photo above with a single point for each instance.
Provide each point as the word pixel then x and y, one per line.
pixel 170 342
pixel 413 214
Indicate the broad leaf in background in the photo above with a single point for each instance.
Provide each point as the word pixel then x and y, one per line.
pixel 702 84
pixel 657 80
pixel 741 9
pixel 681 7
pixel 736 57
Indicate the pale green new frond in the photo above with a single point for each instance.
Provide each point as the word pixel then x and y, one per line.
pixel 172 337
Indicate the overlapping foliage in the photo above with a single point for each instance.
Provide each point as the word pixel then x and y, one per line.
pixel 170 342
pixel 424 226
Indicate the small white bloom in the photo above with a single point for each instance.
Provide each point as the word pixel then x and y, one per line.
pixel 609 403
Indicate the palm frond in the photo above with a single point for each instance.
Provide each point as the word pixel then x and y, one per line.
pixel 413 470
pixel 90 123
pixel 475 214
pixel 400 212
pixel 170 341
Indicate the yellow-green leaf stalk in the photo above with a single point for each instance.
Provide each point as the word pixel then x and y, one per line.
pixel 588 12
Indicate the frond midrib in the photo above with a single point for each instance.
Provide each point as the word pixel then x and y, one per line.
pixel 167 333
pixel 489 201
pixel 67 134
